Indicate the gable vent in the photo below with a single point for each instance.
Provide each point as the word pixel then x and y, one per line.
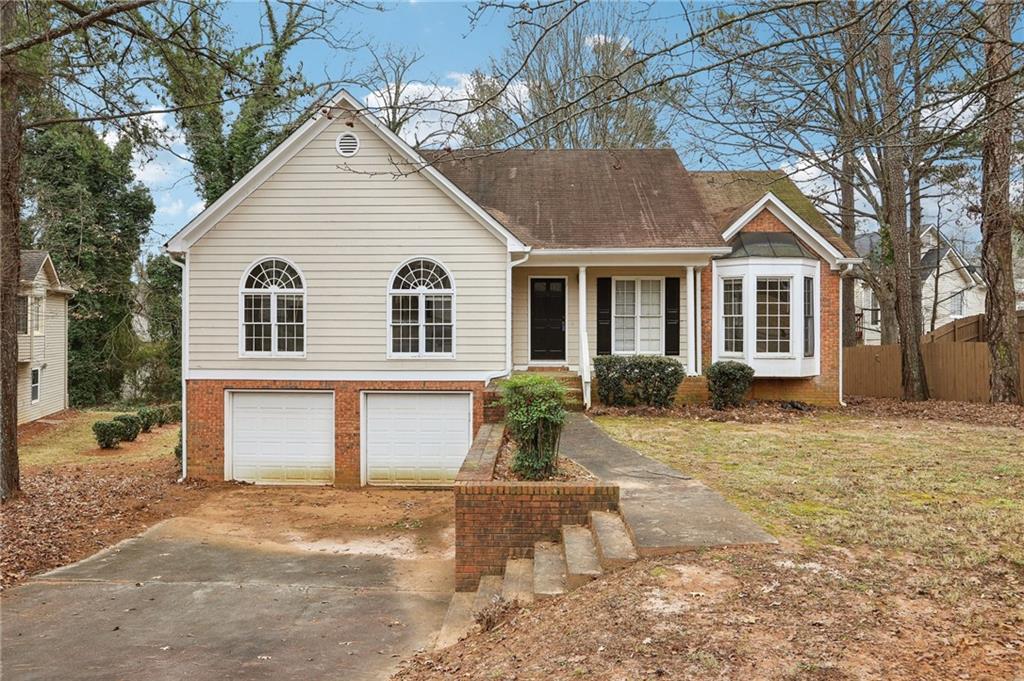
pixel 347 144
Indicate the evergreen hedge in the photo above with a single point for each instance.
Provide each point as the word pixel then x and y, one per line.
pixel 728 382
pixel 641 379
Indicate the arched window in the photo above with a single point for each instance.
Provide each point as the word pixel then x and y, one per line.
pixel 421 311
pixel 273 309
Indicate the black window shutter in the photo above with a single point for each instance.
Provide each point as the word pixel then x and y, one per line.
pixel 604 315
pixel 672 316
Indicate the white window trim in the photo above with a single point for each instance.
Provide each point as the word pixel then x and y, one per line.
pixel 529 321
pixel 636 316
pixel 273 292
pixel 421 293
pixel 720 315
pixel 36 385
pixel 37 315
pixel 779 365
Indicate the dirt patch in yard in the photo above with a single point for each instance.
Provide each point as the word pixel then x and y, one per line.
pixel 66 513
pixel 743 614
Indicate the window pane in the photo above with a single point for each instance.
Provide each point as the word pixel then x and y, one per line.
pixel 290 323
pixel 257 322
pixel 808 317
pixel 22 314
pixel 732 314
pixel 405 323
pixel 773 314
pixel 651 322
pixel 625 334
pixel 437 314
pixel 624 321
pixel 625 297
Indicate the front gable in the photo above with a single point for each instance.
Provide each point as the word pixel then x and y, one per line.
pixel 312 157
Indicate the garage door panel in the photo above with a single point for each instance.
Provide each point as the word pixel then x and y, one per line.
pixel 283 437
pixel 416 438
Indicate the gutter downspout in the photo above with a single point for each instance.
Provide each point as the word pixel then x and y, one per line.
pixel 184 363
pixel 508 320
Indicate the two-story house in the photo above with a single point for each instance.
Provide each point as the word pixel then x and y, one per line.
pixel 348 303
pixel 42 338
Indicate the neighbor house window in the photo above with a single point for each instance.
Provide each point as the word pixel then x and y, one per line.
pixel 637 320
pixel 732 314
pixel 37 315
pixel 421 311
pixel 873 307
pixel 956 304
pixel 773 321
pixel 809 317
pixel 35 385
pixel 22 314
pixel 273 309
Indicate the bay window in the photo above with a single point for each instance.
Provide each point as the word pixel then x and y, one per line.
pixel 773 315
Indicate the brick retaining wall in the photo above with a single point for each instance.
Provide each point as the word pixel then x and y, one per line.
pixel 500 519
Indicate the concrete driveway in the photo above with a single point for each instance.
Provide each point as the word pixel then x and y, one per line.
pixel 258 583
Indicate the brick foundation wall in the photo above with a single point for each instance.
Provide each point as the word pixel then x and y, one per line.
pixel 497 520
pixel 206 419
pixel 822 389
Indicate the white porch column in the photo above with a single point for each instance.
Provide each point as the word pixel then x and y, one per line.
pixel 698 316
pixel 582 331
pixel 691 336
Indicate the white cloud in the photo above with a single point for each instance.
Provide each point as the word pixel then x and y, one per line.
pixel 599 39
pixel 195 209
pixel 434 108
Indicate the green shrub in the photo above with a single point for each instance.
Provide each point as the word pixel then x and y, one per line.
pixel 642 379
pixel 728 382
pixel 534 414
pixel 108 433
pixel 150 416
pixel 177 450
pixel 132 426
pixel 172 413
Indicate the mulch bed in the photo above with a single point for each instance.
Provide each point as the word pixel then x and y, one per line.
pixel 567 471
pixel 65 513
pixel 1007 415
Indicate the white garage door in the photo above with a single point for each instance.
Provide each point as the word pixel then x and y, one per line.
pixel 416 438
pixel 282 437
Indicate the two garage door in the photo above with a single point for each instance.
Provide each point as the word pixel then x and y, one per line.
pixel 280 437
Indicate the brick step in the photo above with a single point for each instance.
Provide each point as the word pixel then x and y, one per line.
pixel 548 570
pixel 611 538
pixel 518 582
pixel 581 561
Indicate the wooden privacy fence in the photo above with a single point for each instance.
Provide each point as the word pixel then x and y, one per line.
pixel 955 371
pixel 966 330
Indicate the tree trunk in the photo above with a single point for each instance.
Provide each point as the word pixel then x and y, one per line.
pixel 888 326
pixel 10 259
pixel 915 248
pixel 849 234
pixel 893 186
pixel 996 217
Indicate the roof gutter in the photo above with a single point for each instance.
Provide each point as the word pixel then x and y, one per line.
pixel 508 318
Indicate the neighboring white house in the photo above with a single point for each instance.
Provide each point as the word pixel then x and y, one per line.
pixel 961 289
pixel 42 338
pixel 348 302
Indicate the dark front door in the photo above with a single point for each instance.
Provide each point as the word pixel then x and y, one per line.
pixel 547 319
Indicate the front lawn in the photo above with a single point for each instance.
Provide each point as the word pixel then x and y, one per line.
pixel 950 493
pixel 71 441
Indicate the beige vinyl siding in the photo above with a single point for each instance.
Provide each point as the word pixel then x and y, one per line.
pixel 521 312
pixel 48 353
pixel 347 231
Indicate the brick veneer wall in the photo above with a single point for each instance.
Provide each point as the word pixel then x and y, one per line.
pixel 206 419
pixel 822 389
pixel 497 520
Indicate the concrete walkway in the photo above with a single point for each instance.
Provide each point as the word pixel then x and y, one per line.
pixel 666 511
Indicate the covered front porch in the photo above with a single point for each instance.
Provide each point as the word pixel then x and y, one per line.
pixel 568 309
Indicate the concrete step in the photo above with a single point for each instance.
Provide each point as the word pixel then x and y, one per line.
pixel 548 570
pixel 458 621
pixel 488 592
pixel 614 546
pixel 518 582
pixel 581 562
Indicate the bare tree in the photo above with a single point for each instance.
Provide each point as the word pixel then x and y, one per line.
pixel 996 213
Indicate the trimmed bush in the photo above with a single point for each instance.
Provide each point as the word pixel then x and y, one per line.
pixel 172 413
pixel 534 414
pixel 132 426
pixel 108 433
pixel 150 416
pixel 642 379
pixel 728 382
